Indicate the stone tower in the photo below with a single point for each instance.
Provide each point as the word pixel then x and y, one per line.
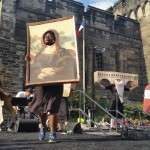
pixel 138 10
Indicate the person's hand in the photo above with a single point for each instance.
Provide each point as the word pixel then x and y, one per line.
pixel 48 71
pixel 42 76
pixel 52 70
pixel 133 84
pixel 27 58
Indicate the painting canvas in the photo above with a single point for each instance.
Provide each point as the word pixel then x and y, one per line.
pixel 52 64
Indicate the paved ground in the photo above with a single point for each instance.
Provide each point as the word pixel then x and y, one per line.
pixel 29 141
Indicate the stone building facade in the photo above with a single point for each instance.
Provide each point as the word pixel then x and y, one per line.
pixel 138 10
pixel 122 39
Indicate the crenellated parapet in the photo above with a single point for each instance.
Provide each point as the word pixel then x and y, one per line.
pixel 135 9
pixel 98 19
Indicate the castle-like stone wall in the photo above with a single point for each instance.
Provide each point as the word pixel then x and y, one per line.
pixel 118 36
pixel 12 65
pixel 139 10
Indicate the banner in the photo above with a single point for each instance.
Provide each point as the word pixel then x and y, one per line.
pixel 146 105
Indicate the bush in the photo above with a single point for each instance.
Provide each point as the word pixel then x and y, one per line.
pixel 132 112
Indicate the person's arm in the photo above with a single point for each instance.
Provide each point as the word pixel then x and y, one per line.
pixel 133 85
pixel 109 87
pixel 3 90
pixel 129 89
pixel 102 86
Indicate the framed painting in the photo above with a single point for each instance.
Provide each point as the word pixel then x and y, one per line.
pixel 52 51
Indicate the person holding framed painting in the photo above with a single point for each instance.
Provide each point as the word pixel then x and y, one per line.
pixel 49 66
pixel 47 98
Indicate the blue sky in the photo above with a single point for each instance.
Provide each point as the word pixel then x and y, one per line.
pixel 102 4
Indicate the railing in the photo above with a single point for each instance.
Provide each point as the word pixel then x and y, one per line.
pixel 83 95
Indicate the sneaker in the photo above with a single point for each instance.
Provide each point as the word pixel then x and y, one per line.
pixel 42 133
pixel 52 137
pixel 9 130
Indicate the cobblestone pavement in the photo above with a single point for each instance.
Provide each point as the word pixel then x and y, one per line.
pixel 29 141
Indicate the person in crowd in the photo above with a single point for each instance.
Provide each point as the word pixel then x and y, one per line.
pixel 49 64
pixel 117 89
pixel 105 120
pixel 24 94
pixel 7 97
pixel 63 114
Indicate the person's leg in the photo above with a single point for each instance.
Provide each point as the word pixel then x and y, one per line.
pixel 56 97
pixel 42 119
pixel 53 119
pixel 62 115
pixel 8 106
pixel 120 117
pixel 22 112
pixel 60 127
pixel 113 113
pixel 42 125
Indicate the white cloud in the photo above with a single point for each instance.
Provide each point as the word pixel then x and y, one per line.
pixel 102 4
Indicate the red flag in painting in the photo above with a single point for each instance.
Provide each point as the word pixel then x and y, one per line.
pixel 81 27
